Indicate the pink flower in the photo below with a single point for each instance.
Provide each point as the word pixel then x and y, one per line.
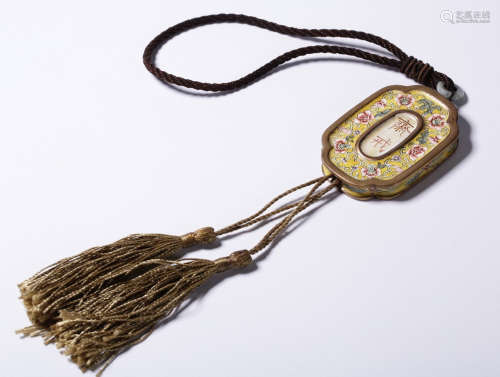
pixel 434 139
pixel 370 171
pixel 437 121
pixel 340 146
pixel 416 152
pixel 405 99
pixel 345 130
pixel 380 104
pixel 364 117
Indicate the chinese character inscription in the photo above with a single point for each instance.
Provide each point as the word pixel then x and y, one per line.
pixel 389 134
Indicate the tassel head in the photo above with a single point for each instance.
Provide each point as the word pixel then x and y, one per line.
pixel 99 303
pixel 66 283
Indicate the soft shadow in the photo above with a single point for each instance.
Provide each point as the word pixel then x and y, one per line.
pixel 334 42
pixel 462 101
pixel 463 150
pixel 197 93
pixel 325 41
pixel 201 291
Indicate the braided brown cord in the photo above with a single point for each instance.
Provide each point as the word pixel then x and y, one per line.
pixel 312 196
pixel 309 199
pixel 255 218
pixel 410 66
pixel 284 208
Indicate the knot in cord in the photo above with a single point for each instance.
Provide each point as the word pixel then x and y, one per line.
pixel 417 70
pixel 200 236
pixel 237 259
pixel 424 73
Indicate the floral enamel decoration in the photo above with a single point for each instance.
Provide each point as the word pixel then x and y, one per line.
pixel 434 139
pixel 416 152
pixel 405 99
pixel 345 130
pixel 378 150
pixel 99 303
pixel 370 171
pixel 340 146
pixel 364 117
pixel 437 120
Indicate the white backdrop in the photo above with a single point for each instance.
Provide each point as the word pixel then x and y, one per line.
pixel 94 148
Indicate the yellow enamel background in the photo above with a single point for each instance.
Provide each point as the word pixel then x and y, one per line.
pixel 343 152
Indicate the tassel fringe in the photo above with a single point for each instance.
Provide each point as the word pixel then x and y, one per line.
pixel 101 302
pixel 71 281
pixel 95 330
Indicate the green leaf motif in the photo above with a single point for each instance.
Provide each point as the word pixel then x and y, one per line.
pixel 427 106
pixel 422 138
pixel 382 113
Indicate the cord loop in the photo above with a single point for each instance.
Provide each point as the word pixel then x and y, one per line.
pixel 410 66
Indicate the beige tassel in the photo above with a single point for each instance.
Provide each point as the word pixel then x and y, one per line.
pixel 99 303
pixel 66 283
pixel 97 329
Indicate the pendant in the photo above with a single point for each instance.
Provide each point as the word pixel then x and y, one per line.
pixel 389 141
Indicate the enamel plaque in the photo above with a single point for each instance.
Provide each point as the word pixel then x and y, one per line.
pixel 389 141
